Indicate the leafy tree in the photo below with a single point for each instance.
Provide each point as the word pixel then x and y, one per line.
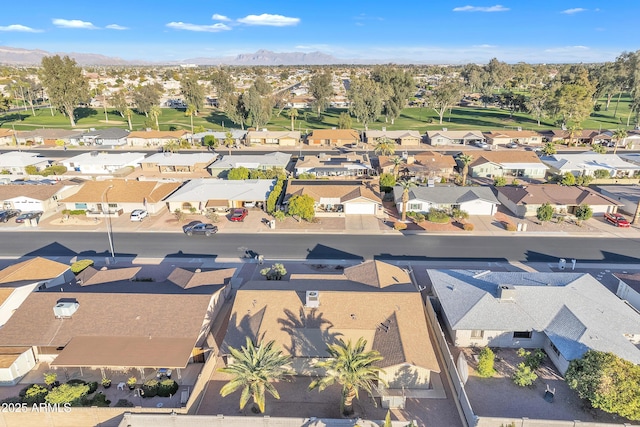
pixel 406 186
pixel 385 146
pixel 545 212
pixel 254 367
pixel 35 395
pixel 601 174
pixel 397 85
pixel 344 121
pixel 258 107
pixel 466 160
pixel 210 142
pixel 568 179
pixel 532 359
pixel 537 103
pixel 573 98
pixel 524 376
pixel 608 382
pixel 144 97
pixel 584 212
pixel 5 103
pixel 499 181
pixel 486 359
pixel 366 100
pixel 584 180
pixel 239 173
pixel 321 89
pixel 599 148
pixel 274 195
pixel 302 206
pixel 68 393
pixel 549 149
pixel 352 367
pixel 65 84
pixel 445 96
pixel 192 91
pixel 387 182
pixel 223 86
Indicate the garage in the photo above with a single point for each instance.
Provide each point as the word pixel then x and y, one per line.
pixel 362 208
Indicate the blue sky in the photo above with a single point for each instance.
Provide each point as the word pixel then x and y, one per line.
pixel 448 31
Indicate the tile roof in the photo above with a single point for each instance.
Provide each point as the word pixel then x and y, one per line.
pixel 505 157
pixel 573 309
pixel 123 191
pixel 32 270
pixel 346 191
pixel 335 134
pixel 425 158
pixel 537 194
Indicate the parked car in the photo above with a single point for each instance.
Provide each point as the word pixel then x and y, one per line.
pixel 139 214
pixel 482 145
pixel 512 145
pixel 201 229
pixel 239 215
pixel 28 216
pixel 617 220
pixel 5 216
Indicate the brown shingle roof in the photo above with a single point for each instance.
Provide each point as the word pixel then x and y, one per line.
pixel 511 134
pixel 90 276
pixel 190 279
pixel 37 192
pixel 345 191
pixel 335 134
pixel 555 194
pixel 33 270
pixel 504 157
pixel 155 134
pixel 123 191
pixel 377 274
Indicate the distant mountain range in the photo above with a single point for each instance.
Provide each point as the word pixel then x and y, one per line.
pixel 23 57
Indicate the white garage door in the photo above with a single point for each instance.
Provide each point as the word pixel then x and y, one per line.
pixel 360 208
pixel 27 205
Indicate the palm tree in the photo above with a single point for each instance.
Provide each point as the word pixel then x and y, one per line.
pixel 228 141
pixel 618 135
pixel 385 146
pixel 397 161
pixel 253 369
pixel 190 111
pixel 574 131
pixel 293 113
pixel 549 149
pixel 465 159
pixel 128 113
pixel 406 186
pixel 352 367
pixel 155 112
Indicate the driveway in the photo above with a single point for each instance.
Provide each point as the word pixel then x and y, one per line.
pixel 362 223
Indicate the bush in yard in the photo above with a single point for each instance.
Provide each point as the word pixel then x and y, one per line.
pixel 35 394
pixel 438 216
pixel 124 403
pixel 167 387
pixel 302 206
pixel 80 265
pixel 601 174
pixel 532 359
pixel 486 360
pixel 50 378
pixel 568 179
pixel 584 180
pixel 68 393
pixel 545 212
pixel 180 216
pixel 458 213
pixel 238 173
pixel 279 215
pixel 275 195
pixel 499 181
pixel 399 226
pixel 98 400
pixel 524 375
pixel 387 182
pixel 584 212
pixel 510 227
pixel 468 227
pixel 150 388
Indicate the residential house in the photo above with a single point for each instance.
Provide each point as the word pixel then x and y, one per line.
pixel 265 137
pixel 263 162
pixel 629 288
pixel 156 138
pixel 17 162
pixel 217 194
pixel 47 137
pixel 300 102
pixel 627 196
pixel 581 137
pixel 420 166
pixel 565 314
pixel 402 138
pixel 113 137
pixel 632 140
pixel 449 137
pixel 375 301
pixel 119 196
pixel 338 198
pixel 473 200
pixel 508 163
pixel 525 200
pixel 335 165
pixel 36 197
pixel 522 137
pixel 589 162
pixel 119 322
pixel 102 163
pixel 333 137
pixel 7 137
pixel 237 135
pixel 169 162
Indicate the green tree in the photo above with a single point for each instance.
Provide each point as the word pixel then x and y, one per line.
pixel 190 111
pixel 537 103
pixel 258 107
pixel 293 113
pixel 397 162
pixel 444 96
pixel 222 84
pixel 599 148
pixel 352 367
pixel 406 186
pixel 583 212
pixel 210 142
pixel 568 179
pixel 192 91
pixel 397 85
pixel 544 213
pixel 68 393
pixel 366 100
pixel 237 174
pixel 486 360
pixel 321 89
pixel 601 174
pixel 155 112
pixel 5 103
pixel 499 181
pixel 228 141
pixel 618 136
pixel 344 121
pixel 253 369
pixel 387 182
pixel 466 160
pixel 608 382
pixel 119 102
pixel 385 146
pixel 302 206
pixel 549 149
pixel 524 376
pixel 144 97
pixel 65 84
pixel 272 200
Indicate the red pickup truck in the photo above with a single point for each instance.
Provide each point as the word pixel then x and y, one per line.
pixel 617 220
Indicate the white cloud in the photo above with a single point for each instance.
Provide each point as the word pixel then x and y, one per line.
pixel 215 28
pixel 484 46
pixel 74 23
pixel 218 17
pixel 19 28
pixel 116 27
pixel 269 20
pixel 496 8
pixel 574 10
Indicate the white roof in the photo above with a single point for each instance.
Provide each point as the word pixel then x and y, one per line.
pixel 180 159
pixel 20 158
pixel 252 161
pixel 588 161
pixel 203 189
pixel 105 159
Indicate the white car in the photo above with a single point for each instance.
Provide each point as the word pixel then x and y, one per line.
pixel 139 215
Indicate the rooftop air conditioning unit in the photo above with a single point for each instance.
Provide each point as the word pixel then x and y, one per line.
pixel 506 292
pixel 65 309
pixel 313 299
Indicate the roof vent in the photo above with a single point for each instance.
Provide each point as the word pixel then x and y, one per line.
pixel 94 154
pixel 313 299
pixel 506 292
pixel 65 308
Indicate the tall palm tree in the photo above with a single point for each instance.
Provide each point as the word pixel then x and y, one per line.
pixel 574 131
pixel 397 161
pixel 293 113
pixel 352 367
pixel 618 135
pixel 253 369
pixel 190 111
pixel 229 141
pixel 385 146
pixel 155 112
pixel 128 113
pixel 465 159
pixel 406 186
pixel 549 148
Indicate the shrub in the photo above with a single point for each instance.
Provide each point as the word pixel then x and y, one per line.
pixel 213 216
pixel 302 206
pixel 124 403
pixel 12 399
pixel 35 394
pixel 510 227
pixel 180 216
pixel 419 217
pixel 532 359
pixel 98 400
pixel 500 181
pixel 93 386
pixel 524 375
pixel 238 173
pixel 485 363
pixel 584 180
pixel 584 212
pixel 387 182
pixel 601 174
pixel 468 227
pixel 167 387
pixel 80 265
pixel 275 195
pixel 50 377
pixel 399 226
pixel 545 212
pixel 515 182
pixel 74 212
pixel 568 179
pixel 68 393
pixel 54 170
pixel 150 388
pixel 279 215
pixel 438 216
pixel 459 214
pixel 275 272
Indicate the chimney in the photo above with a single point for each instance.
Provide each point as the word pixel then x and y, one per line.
pixel 506 292
pixel 312 300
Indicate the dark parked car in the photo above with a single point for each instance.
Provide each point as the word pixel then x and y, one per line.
pixel 239 215
pixel 201 228
pixel 28 216
pixel 8 214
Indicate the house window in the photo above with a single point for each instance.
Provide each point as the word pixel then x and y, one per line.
pixel 113 205
pixel 526 335
pixel 414 206
pixel 81 206
pixel 554 349
pixel 477 333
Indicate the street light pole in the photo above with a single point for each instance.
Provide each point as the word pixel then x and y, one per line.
pixel 104 198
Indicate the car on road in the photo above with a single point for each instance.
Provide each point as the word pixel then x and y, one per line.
pixel 6 215
pixel 138 214
pixel 28 216
pixel 617 220
pixel 201 228
pixel 238 215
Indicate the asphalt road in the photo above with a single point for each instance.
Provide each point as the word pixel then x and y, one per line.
pixel 319 246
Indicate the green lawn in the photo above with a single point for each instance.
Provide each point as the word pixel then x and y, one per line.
pixel 413 118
